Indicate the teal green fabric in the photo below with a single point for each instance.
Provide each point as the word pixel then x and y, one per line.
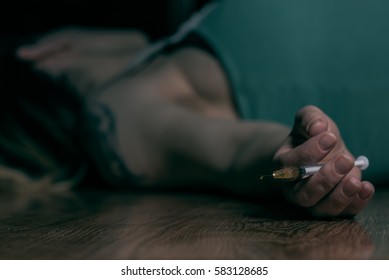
pixel 282 55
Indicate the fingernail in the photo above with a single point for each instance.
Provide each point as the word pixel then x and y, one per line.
pixel 327 141
pixel 352 188
pixel 343 165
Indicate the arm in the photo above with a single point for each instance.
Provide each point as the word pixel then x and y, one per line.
pixel 172 124
pixel 69 55
pixel 167 144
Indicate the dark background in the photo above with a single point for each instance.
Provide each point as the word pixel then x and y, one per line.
pixel 156 18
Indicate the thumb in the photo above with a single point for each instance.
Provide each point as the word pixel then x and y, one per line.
pixel 312 151
pixel 309 121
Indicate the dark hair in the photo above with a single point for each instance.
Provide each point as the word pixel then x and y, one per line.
pixel 40 124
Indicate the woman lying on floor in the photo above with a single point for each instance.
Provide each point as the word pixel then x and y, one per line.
pixel 214 108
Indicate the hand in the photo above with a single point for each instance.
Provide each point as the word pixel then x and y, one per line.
pixel 83 58
pixel 337 189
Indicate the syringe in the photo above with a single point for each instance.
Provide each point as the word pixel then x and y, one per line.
pixel 296 173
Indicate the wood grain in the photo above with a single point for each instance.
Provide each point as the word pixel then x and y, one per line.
pixel 113 225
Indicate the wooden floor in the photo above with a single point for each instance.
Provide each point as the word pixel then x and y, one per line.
pixel 109 225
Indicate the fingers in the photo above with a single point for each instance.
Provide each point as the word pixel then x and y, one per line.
pixel 336 190
pixel 339 199
pixel 310 121
pixel 91 40
pixel 360 200
pixel 48 46
pixel 56 65
pixel 309 192
pixel 42 51
pixel 348 199
pixel 312 151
